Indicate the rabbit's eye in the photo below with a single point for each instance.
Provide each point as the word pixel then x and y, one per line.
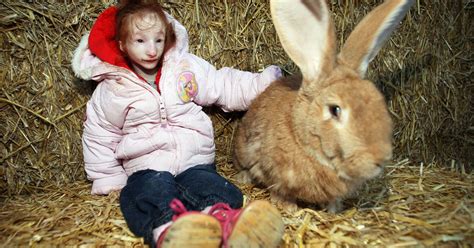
pixel 335 111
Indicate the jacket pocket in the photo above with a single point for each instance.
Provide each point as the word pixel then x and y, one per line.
pixel 134 144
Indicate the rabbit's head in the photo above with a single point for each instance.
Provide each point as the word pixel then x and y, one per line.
pixel 339 117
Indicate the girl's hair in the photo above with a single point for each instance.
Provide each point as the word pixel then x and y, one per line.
pixel 128 10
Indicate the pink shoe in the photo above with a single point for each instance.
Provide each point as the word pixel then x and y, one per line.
pixel 190 229
pixel 257 225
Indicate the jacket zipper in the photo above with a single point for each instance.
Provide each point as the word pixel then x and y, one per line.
pixel 164 117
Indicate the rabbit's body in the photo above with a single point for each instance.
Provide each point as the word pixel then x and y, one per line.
pixel 281 150
pixel 316 138
pixel 271 154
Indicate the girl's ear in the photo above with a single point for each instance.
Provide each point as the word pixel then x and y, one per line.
pixel 307 34
pixel 121 46
pixel 371 33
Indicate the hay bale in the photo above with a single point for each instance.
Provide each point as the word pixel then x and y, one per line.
pixel 41 106
pixel 424 71
pixel 411 206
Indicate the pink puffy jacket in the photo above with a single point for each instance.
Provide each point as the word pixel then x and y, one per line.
pixel 130 126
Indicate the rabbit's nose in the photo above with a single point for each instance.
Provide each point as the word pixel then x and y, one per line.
pixel 382 161
pixel 383 157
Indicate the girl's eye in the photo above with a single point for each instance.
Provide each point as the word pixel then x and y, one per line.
pixel 159 41
pixel 139 40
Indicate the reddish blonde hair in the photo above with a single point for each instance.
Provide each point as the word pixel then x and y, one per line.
pixel 129 10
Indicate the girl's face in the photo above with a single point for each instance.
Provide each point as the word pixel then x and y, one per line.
pixel 145 44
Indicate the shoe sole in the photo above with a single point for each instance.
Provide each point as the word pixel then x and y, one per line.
pixel 195 230
pixel 259 225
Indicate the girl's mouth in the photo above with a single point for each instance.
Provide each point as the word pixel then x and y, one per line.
pixel 150 61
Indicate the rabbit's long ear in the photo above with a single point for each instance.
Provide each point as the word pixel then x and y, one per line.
pixel 306 33
pixel 372 32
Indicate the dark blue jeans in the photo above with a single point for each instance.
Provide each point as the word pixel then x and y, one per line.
pixel 145 199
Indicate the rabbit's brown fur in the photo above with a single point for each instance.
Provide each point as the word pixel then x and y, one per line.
pixel 316 138
pixel 302 164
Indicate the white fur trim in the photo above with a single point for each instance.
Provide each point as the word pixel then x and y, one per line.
pixel 181 37
pixel 83 47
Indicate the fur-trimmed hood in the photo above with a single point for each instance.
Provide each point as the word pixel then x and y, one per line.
pixel 99 46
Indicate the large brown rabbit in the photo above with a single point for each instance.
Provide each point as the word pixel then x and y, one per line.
pixel 316 138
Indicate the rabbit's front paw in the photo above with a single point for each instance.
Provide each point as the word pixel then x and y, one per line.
pixel 244 177
pixel 286 204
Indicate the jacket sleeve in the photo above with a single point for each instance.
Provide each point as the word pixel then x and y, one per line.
pixel 231 89
pixel 100 139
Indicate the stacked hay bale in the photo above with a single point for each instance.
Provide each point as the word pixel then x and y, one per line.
pixel 425 72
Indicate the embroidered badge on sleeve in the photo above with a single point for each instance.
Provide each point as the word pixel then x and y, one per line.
pixel 187 86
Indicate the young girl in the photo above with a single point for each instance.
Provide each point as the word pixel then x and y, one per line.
pixel 146 134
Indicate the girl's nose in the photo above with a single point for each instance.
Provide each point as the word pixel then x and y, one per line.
pixel 151 50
